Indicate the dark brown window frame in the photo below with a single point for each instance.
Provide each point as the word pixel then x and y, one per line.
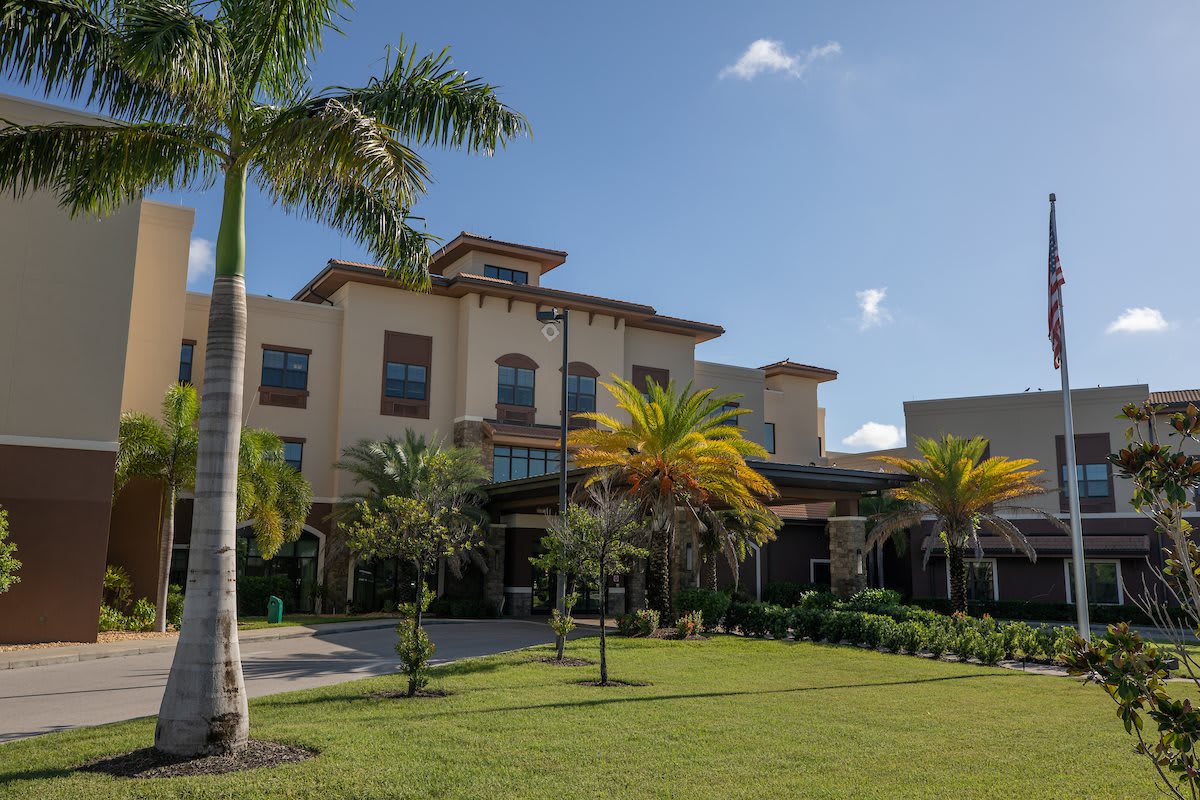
pixel 406 348
pixel 640 373
pixel 282 396
pixel 510 412
pixel 1090 448
pixel 582 369
pixel 300 440
pixel 191 364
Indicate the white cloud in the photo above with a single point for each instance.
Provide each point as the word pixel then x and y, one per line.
pixel 768 55
pixel 875 436
pixel 870 303
pixel 201 262
pixel 1139 320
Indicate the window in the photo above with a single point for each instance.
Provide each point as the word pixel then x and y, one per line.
pixel 285 369
pixel 511 463
pixel 732 421
pixel 515 386
pixel 406 381
pixel 641 374
pixel 1092 480
pixel 1103 582
pixel 186 351
pixel 293 453
pixel 406 366
pixel 818 571
pixel 505 274
pixel 769 436
pixel 581 393
pixel 981 580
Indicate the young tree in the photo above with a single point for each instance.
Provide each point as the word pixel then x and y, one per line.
pixel 678 449
pixel 213 91
pixel 595 540
pixel 165 451
pixel 270 492
pixel 959 488
pixel 1132 670
pixel 420 503
pixel 9 565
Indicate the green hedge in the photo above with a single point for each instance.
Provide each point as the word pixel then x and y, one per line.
pixel 468 607
pixel 901 629
pixel 1049 612
pixel 711 604
pixel 253 592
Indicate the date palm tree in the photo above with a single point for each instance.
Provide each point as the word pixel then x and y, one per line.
pixel 208 91
pixel 960 490
pixel 162 450
pixel 678 450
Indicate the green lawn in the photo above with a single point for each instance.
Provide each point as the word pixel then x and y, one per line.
pixel 725 718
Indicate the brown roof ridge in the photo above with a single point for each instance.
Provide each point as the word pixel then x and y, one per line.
pixel 483 238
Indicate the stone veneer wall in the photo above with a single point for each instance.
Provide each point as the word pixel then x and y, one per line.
pixel 847 541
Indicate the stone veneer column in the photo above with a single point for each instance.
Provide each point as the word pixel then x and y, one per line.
pixel 847 545
pixel 469 433
pixel 493 579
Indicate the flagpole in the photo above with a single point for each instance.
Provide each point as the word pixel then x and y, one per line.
pixel 1072 477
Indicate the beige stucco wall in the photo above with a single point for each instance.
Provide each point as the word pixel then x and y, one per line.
pixel 791 403
pixel 157 311
pixel 473 263
pixel 661 350
pixel 749 383
pixel 301 325
pixel 1025 426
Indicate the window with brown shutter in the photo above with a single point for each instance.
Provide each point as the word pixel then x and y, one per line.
pixel 407 362
pixel 516 375
pixel 1093 474
pixel 660 376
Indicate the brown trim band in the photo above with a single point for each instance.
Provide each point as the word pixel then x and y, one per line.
pixel 517 360
pixel 283 348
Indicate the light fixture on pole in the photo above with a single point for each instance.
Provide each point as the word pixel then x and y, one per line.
pixel 551 322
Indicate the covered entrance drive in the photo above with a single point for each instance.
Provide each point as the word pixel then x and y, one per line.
pixel 518 523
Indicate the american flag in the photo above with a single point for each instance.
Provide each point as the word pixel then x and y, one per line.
pixel 1055 284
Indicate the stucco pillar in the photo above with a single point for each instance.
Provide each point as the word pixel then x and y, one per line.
pixel 493 579
pixel 847 546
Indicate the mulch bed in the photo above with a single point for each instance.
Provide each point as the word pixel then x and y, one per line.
pixel 150 763
pixel 673 633
pixel 566 661
pixel 405 696
pixel 612 682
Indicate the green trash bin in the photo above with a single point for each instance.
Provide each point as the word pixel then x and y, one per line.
pixel 274 610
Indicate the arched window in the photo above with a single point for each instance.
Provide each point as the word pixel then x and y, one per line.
pixel 581 391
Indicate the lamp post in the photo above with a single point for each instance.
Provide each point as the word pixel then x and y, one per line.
pixel 549 319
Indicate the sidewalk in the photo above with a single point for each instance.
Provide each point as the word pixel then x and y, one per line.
pixel 18 659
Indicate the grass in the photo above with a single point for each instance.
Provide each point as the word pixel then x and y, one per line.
pixel 254 623
pixel 727 718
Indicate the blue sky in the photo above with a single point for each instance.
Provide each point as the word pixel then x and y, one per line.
pixel 863 189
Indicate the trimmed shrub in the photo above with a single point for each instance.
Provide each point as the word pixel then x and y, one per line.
pixel 462 607
pixel 874 601
pixel 819 599
pixel 788 593
pixel 938 639
pixel 989 648
pixel 875 630
pixel 1048 612
pixel 689 624
pixel 253 591
pixel 779 621
pixel 141 618
pixel 111 619
pixel 806 623
pixel 175 605
pixel 909 637
pixel 711 605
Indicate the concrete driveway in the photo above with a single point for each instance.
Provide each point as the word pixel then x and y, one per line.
pixel 44 699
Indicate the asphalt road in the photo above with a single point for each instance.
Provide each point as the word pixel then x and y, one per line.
pixel 39 700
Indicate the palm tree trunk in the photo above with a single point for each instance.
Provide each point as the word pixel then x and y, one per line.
pixel 166 545
pixel 658 590
pixel 711 571
pixel 204 706
pixel 958 578
pixel 603 614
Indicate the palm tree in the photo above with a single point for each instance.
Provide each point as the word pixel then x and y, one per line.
pixel 731 532
pixel 220 90
pixel 434 476
pixel 958 488
pixel 678 449
pixel 271 492
pixel 164 451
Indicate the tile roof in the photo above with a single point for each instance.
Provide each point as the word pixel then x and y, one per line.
pixel 804 511
pixel 1176 397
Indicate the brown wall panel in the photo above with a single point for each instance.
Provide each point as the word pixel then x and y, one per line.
pixel 59 503
pixel 133 535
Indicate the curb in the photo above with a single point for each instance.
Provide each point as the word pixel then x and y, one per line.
pixel 45 657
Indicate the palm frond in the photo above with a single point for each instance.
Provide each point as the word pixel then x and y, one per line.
pixel 276 41
pixel 99 168
pixel 74 49
pixel 143 449
pixel 428 102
